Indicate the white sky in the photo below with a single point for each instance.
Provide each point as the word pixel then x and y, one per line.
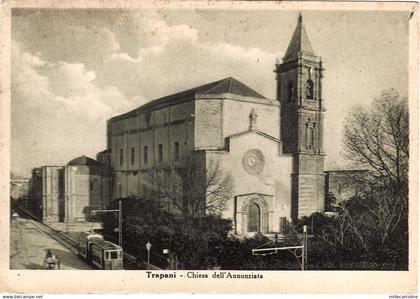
pixel 74 69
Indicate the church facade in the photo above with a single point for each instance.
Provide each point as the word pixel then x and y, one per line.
pixel 271 148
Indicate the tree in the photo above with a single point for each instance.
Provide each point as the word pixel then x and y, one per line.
pixel 378 139
pixel 349 240
pixel 180 203
pixel 191 188
pixel 144 220
pixel 369 230
pixel 374 221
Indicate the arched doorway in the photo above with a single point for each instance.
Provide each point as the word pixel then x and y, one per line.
pixel 254 218
pixel 254 214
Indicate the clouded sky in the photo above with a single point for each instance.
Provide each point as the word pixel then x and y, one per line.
pixel 74 69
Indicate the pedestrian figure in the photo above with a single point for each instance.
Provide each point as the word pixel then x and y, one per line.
pixel 56 261
pixel 50 261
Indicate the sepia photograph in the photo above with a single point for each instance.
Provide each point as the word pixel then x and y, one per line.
pixel 208 140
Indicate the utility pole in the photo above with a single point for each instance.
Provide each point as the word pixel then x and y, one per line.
pixel 120 222
pixel 119 211
pixel 67 203
pixel 301 258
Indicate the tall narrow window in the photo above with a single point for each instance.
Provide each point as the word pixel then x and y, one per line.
pixel 310 89
pixel 176 151
pixel 160 152
pixel 290 91
pixel 133 156
pixel 121 157
pixel 91 186
pixel 145 154
pixel 147 117
pixel 311 136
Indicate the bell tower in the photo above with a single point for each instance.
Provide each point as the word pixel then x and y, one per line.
pixel 299 90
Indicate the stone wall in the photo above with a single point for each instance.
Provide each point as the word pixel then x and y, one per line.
pixel 236 116
pixel 288 96
pixel 208 123
pixel 310 196
pixel 172 127
pixel 52 193
pixel 217 117
pixel 34 204
pixel 77 192
pixel 84 191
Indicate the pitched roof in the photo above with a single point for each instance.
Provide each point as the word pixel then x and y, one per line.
pixel 231 85
pixel 299 43
pixel 84 161
pixel 226 85
pixel 254 132
pixel 105 151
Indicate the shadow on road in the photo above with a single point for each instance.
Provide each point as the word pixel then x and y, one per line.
pixel 69 259
pixel 32 266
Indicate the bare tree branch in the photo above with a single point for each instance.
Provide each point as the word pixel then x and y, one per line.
pixel 192 188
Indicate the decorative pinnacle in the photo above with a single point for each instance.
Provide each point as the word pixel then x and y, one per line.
pixel 300 18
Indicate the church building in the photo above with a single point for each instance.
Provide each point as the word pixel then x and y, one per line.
pixel 69 193
pixel 272 148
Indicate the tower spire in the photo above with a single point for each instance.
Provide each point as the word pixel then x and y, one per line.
pixel 299 43
pixel 299 90
pixel 300 17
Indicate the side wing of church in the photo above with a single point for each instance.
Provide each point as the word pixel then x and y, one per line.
pixel 272 149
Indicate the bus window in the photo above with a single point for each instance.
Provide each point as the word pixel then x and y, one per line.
pixel 107 255
pixel 114 254
pixel 120 254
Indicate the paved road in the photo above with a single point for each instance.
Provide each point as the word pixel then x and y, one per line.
pixel 29 244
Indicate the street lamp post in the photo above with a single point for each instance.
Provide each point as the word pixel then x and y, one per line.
pixel 304 247
pixel 148 247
